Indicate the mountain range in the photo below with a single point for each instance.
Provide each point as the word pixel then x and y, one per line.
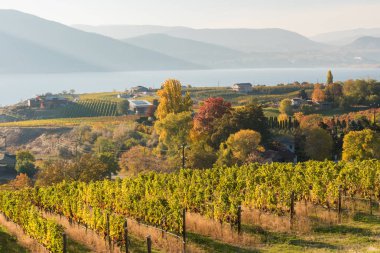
pixel 32 44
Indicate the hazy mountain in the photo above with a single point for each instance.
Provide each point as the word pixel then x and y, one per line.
pixel 193 51
pixel 126 31
pixel 18 55
pixel 96 50
pixel 341 38
pixel 365 43
pixel 247 40
pixel 251 40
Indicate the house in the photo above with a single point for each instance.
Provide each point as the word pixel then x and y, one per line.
pixel 138 89
pixel 7 164
pixel 139 107
pixel 287 142
pixel 296 102
pixel 242 87
pixel 49 101
pixel 33 103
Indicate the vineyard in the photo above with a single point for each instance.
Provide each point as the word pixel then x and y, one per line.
pixel 216 194
pixel 90 108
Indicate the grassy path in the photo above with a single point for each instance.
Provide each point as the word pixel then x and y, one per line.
pixel 8 244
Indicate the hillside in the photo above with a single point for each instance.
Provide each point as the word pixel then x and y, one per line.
pixel 366 43
pixel 193 51
pixel 247 40
pixel 19 55
pixel 96 50
pixel 346 37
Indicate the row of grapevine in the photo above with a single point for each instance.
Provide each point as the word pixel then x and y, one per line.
pixel 14 206
pixel 158 199
pixel 90 108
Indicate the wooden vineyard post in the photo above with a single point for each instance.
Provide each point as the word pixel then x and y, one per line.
pixel 149 244
pixel 126 243
pixel 292 213
pixel 340 203
pixel 370 205
pixel 64 239
pixel 108 238
pixel 239 220
pixel 184 229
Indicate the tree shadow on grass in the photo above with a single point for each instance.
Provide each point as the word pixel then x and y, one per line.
pixel 343 229
pixel 311 244
pixel 214 246
pixel 284 238
pixel 367 218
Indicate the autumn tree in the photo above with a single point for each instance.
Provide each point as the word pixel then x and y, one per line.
pixel 318 94
pixel 210 110
pixel 361 145
pixel 240 145
pixel 25 163
pixel 171 99
pixel 318 144
pixel 200 155
pixel 140 159
pixel 330 78
pixel 248 117
pixel 87 168
pixel 21 181
pixel 174 131
pixel 286 107
pixel 334 92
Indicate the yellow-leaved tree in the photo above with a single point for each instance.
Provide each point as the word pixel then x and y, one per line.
pixel 361 145
pixel 171 99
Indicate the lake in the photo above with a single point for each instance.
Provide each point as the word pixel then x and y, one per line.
pixel 17 87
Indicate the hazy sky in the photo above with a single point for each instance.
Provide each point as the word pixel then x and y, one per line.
pixel 304 16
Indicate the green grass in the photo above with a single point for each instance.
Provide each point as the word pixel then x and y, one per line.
pixel 210 245
pixel 359 234
pixel 8 244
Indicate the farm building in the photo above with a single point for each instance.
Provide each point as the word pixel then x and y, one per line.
pixel 139 107
pixel 242 87
pixel 48 101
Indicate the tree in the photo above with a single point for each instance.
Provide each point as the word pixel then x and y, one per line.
pixel 123 107
pixel 174 130
pixel 21 181
pixel 103 144
pixel 248 117
pixel 319 144
pixel 286 107
pixel 86 169
pixel 210 110
pixel 330 78
pixel 109 159
pixel 302 94
pixel 140 159
pixel 200 156
pixel 171 99
pixel 334 92
pixel 361 145
pixel 318 94
pixel 25 163
pixel 240 145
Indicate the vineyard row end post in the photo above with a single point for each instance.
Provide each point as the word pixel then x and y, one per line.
pixel 184 229
pixel 126 243
pixel 149 244
pixel 239 220
pixel 292 212
pixel 64 239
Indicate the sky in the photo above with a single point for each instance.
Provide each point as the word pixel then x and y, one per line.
pixel 307 17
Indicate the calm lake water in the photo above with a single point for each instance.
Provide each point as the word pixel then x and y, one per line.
pixel 17 87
